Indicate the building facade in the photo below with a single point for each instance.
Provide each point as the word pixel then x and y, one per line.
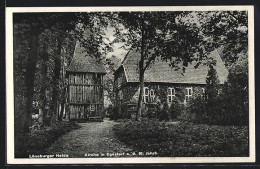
pixel 85 86
pixel 162 82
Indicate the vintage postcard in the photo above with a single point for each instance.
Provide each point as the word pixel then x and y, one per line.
pixel 107 85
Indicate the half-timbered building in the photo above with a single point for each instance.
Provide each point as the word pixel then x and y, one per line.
pixel 85 85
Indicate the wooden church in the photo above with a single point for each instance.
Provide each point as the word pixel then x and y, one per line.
pixel 85 86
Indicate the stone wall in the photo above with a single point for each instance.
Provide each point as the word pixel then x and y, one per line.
pixel 130 92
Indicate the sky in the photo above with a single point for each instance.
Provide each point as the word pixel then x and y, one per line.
pixel 119 52
pixel 192 19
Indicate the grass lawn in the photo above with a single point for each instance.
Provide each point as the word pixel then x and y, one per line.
pixel 184 139
pixel 38 141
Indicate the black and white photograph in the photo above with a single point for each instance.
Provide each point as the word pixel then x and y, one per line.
pixel 130 85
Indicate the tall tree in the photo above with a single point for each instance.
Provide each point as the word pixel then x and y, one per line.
pixel 34 25
pixel 212 89
pixel 212 83
pixel 29 22
pixel 158 35
pixel 227 30
pixel 21 46
pixel 235 99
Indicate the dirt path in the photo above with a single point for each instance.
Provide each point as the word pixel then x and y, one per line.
pixel 95 137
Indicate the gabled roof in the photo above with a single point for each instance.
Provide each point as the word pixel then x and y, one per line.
pixel 83 62
pixel 161 71
pixel 113 64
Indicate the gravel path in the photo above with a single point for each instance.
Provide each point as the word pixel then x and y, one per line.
pixel 91 138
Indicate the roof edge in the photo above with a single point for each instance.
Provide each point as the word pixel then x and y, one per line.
pixel 125 74
pixel 126 56
pixel 84 72
pixel 117 69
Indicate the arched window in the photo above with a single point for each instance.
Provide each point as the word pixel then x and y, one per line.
pixel 171 94
pixel 152 95
pixel 146 95
pixel 188 94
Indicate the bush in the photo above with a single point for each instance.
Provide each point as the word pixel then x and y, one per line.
pixel 109 111
pixel 237 86
pixel 230 111
pixel 144 110
pixel 158 110
pixel 123 113
pixel 152 111
pixel 115 113
pixel 184 139
pixel 204 140
pixel 228 108
pixel 176 108
pixel 39 140
pixel 165 115
pixel 223 111
pixel 195 111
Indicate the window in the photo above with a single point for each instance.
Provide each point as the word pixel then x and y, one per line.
pixel 92 107
pixel 171 94
pixel 74 78
pixel 188 94
pixel 203 93
pixel 146 95
pixel 152 95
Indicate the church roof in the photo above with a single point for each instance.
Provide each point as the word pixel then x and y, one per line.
pixel 83 62
pixel 161 72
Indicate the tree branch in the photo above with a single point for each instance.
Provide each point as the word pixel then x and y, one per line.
pixel 147 64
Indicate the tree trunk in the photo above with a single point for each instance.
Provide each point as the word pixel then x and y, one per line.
pixel 30 77
pixel 63 94
pixel 141 76
pixel 56 80
pixel 60 115
pixel 43 106
pixel 44 72
pixel 61 111
pixel 139 105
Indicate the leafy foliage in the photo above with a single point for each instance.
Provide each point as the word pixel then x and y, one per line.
pixel 44 45
pixel 43 48
pixel 154 34
pixel 114 115
pixel 195 111
pixel 176 108
pixel 225 29
pixel 39 34
pixel 111 64
pixel 39 140
pixel 234 99
pixel 164 114
pixel 212 84
pixel 184 139
pixel 193 34
pixel 228 107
